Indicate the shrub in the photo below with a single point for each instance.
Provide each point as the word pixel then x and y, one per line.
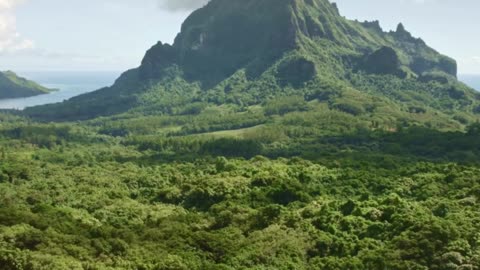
pixel 350 108
pixel 285 105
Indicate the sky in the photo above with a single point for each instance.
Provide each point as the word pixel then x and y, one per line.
pixel 113 35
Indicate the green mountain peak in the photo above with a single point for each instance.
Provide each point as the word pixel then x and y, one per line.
pixel 247 52
pixel 227 35
pixel 224 36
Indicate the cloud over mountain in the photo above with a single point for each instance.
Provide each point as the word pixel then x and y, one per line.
pixel 10 39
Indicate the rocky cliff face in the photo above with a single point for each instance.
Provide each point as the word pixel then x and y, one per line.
pixel 228 35
pixel 248 51
pixel 419 57
pixel 224 36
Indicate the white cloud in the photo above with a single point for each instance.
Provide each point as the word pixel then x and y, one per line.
pixel 182 5
pixel 10 39
pixel 9 4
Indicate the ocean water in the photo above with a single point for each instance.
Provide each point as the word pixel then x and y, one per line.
pixel 471 80
pixel 69 84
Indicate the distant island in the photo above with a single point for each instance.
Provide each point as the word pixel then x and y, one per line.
pixel 13 86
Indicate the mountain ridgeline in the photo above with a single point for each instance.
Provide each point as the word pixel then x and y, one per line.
pixel 226 36
pixel 249 52
pixel 13 86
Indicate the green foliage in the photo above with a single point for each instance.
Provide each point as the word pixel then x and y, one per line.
pixel 350 108
pixel 296 72
pixel 13 86
pixel 474 129
pixel 231 53
pixel 232 147
pixel 283 105
pixel 232 213
pixel 150 192
pixel 384 61
pixel 252 142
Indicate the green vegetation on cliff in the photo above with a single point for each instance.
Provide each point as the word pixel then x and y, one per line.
pixel 248 52
pixel 13 86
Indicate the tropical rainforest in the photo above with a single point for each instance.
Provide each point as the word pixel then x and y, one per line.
pixel 272 134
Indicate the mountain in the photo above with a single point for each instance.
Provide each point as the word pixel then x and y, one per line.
pixel 13 86
pixel 249 52
pixel 273 134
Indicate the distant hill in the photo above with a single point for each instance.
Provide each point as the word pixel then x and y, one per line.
pixel 250 52
pixel 13 86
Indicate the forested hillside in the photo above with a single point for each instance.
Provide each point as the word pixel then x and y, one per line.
pixel 13 86
pixel 246 53
pixel 273 134
pixel 76 196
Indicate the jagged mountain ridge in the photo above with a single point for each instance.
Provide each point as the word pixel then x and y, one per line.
pixel 228 28
pixel 247 51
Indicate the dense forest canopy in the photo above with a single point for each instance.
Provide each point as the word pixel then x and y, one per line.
pixel 273 134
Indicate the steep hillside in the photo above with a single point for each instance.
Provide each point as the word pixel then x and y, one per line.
pixel 13 86
pixel 249 52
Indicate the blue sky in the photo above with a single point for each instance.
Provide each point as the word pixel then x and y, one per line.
pixel 114 34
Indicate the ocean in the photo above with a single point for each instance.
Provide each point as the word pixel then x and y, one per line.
pixel 69 84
